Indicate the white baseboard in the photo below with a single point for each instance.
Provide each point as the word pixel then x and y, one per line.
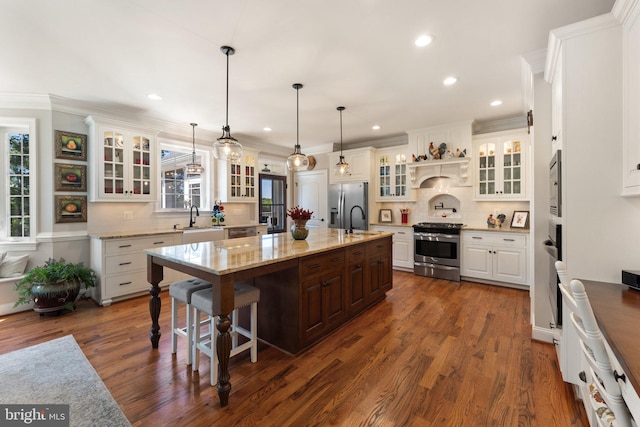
pixel 10 309
pixel 542 334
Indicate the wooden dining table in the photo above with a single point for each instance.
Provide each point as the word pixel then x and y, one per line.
pixel 226 261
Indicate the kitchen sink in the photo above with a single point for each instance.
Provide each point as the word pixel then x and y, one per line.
pixel 204 234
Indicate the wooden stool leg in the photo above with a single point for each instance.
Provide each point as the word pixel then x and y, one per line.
pixel 254 332
pixel 174 325
pixel 196 339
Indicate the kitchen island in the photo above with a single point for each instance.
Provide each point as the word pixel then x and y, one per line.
pixel 308 288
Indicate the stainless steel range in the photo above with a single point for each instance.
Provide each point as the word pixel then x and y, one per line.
pixel 437 250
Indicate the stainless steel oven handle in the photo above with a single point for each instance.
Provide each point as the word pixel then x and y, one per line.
pixel 438 266
pixel 438 237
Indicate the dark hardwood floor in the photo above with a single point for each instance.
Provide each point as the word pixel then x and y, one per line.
pixel 433 353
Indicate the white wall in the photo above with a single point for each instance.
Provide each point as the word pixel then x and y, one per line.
pixel 601 229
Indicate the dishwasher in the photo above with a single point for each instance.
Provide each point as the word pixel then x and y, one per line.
pixel 235 233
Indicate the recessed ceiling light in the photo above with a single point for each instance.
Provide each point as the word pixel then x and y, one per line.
pixel 267 129
pixel 423 40
pixel 449 81
pixel 496 103
pixel 375 127
pixel 154 96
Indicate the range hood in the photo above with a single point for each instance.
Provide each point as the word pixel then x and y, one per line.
pixel 456 169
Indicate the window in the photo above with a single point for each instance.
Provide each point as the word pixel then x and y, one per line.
pixel 18 190
pixel 180 191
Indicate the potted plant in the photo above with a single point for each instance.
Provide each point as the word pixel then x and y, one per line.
pixel 54 286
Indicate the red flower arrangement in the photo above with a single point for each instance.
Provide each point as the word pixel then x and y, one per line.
pixel 299 213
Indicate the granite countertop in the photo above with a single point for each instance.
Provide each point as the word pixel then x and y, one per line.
pixel 229 256
pixel 145 233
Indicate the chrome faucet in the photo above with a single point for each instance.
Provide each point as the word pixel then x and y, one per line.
pixel 350 229
pixel 191 220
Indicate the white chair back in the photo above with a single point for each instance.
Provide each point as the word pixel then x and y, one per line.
pixel 564 284
pixel 595 353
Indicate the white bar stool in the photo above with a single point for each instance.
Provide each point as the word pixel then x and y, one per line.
pixel 202 301
pixel 182 291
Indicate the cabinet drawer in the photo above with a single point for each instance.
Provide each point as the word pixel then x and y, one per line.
pixel 125 284
pixel 119 246
pixel 317 265
pixel 356 254
pixel 379 247
pixel 495 238
pixel 119 264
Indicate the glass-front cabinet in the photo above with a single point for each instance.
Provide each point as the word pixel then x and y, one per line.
pixel 392 175
pixel 124 158
pixel 501 166
pixel 238 180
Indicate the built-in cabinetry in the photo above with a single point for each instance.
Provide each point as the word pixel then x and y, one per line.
pixel 321 292
pixel 238 180
pixel 403 245
pixel 494 256
pixel 122 160
pixel 501 165
pixel 392 174
pixel 631 98
pixel 121 265
pixel 360 161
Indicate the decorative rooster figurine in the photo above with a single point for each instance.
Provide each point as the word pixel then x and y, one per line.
pixel 434 151
pixel 442 149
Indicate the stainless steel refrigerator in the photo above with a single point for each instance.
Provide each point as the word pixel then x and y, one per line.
pixel 344 200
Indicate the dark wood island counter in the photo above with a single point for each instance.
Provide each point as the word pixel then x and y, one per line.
pixel 308 287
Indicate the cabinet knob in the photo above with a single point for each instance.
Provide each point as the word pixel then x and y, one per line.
pixel 555 341
pixel 554 138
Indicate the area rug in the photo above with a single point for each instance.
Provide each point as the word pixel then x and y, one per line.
pixel 58 372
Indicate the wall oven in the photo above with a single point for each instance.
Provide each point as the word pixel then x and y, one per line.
pixel 553 246
pixel 437 250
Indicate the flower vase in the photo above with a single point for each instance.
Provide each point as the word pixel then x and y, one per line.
pixel 299 229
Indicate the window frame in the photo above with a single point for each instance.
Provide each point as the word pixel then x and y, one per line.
pixel 24 125
pixel 206 198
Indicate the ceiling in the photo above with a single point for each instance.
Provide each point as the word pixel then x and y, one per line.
pixel 357 53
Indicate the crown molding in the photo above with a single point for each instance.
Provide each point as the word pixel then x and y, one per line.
pixel 623 10
pixel 558 36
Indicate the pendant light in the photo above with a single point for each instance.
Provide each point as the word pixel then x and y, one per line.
pixel 342 168
pixel 297 161
pixel 227 147
pixel 194 168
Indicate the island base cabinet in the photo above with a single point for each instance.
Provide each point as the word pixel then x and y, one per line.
pixel 301 305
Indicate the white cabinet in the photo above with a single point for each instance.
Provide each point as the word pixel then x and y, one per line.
pixel 392 175
pixel 501 166
pixel 121 265
pixel 402 245
pixel 631 112
pixel 360 161
pixel 495 256
pixel 238 180
pixel 123 158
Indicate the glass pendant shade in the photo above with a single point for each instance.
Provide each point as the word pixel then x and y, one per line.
pixel 297 161
pixel 194 168
pixel 227 147
pixel 342 168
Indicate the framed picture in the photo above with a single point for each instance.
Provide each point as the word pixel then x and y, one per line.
pixel 520 219
pixel 386 215
pixel 71 146
pixel 71 177
pixel 71 209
